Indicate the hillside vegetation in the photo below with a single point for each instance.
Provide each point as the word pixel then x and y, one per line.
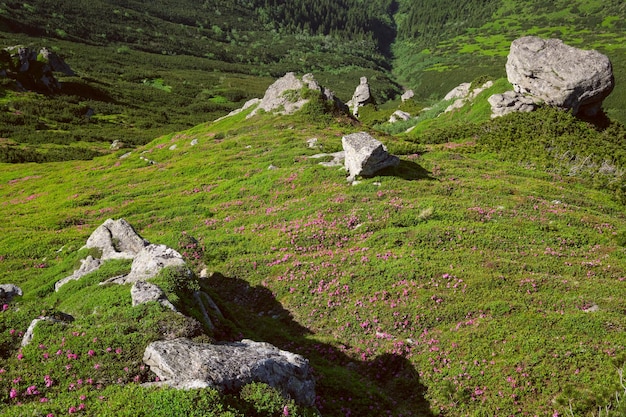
pixel 441 44
pixel 460 283
pixel 484 276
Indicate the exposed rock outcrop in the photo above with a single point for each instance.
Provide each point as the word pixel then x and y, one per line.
pixel 399 115
pixel 87 265
pixel 560 75
pixel 407 95
pixel 143 292
pixel 117 240
pixel 182 363
pixel 510 102
pixel 463 94
pixel 365 155
pixel 285 94
pixel 33 69
pixel 460 91
pixel 8 292
pixel 361 96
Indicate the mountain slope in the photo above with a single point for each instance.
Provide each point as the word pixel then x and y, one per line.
pixel 437 49
pixel 458 284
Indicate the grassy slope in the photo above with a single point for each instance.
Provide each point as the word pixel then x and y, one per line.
pixel 458 284
pixel 434 69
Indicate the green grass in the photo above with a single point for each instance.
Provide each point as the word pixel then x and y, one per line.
pixel 455 285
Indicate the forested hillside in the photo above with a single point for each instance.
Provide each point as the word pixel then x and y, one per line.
pixel 443 43
pixel 148 68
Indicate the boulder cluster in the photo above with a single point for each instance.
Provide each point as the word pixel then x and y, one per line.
pixel 181 363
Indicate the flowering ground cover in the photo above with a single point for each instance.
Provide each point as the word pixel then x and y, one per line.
pixel 458 284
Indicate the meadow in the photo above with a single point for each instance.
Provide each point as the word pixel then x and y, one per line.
pixel 460 283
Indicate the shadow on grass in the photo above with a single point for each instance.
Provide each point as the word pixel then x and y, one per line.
pixel 407 170
pixel 387 384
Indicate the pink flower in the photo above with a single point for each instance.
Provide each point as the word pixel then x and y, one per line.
pixel 91 352
pixel 13 393
pixel 96 366
pixel 72 410
pixel 285 411
pixel 43 400
pixel 20 356
pixel 5 307
pixel 118 350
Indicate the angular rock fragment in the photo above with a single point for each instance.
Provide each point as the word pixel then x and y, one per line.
pixel 229 366
pixel 117 240
pixel 365 155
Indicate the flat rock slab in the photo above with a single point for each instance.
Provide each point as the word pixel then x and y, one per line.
pixel 560 75
pixel 229 366
pixel 365 155
pixel 87 265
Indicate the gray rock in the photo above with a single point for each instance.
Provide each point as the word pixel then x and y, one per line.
pixel 365 155
pixel 476 91
pixel 150 261
pixel 284 94
pixel 560 75
pixel 117 240
pixel 246 106
pixel 57 318
pixel 399 115
pixel 229 366
pixel 361 96
pixel 194 142
pixel 30 333
pixel 36 67
pixel 461 91
pixel 313 143
pixel 407 95
pixel 337 161
pixel 143 292
pixel 510 102
pixel 464 94
pixel 8 292
pixel 87 265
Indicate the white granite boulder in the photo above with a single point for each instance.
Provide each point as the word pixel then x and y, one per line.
pixel 560 75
